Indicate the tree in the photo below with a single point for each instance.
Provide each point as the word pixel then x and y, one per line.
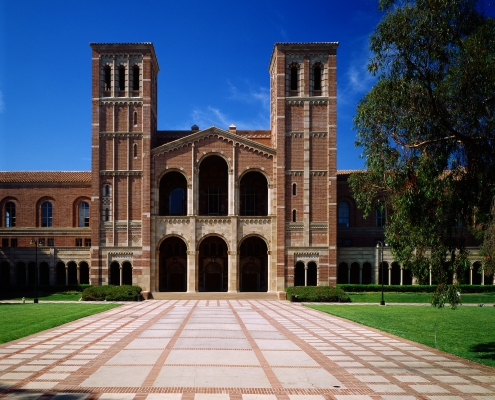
pixel 427 130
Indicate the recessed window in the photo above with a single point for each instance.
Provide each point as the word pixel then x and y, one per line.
pixel 107 214
pixel 106 190
pixel 135 150
pixel 107 78
pixel 51 242
pixel 87 242
pixel 10 215
pixel 293 78
pixel 294 216
pixel 5 242
pixel 343 215
pixel 380 218
pixel 121 78
pixel 294 189
pixel 83 214
pixel 78 242
pixel 176 202
pixel 135 78
pixel 213 196
pixel 249 199
pixel 46 214
pixel 13 242
pixel 135 118
pixel 317 78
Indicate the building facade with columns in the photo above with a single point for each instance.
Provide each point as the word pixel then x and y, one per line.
pixel 213 209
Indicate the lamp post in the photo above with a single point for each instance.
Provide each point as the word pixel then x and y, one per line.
pixel 380 246
pixel 36 243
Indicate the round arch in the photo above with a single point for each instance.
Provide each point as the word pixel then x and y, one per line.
pixel 253 194
pixel 213 264
pixel 367 273
pixel 343 273
pixel 172 192
pixel 72 273
pixel 44 273
pixel 60 273
pixel 312 274
pixel 355 272
pixel 84 273
pixel 172 273
pixel 213 185
pixel 253 264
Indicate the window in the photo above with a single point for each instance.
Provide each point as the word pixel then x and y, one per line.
pixel 294 215
pixel 121 78
pixel 317 78
pixel 343 215
pixel 293 78
pixel 249 197
pixel 87 242
pixel 135 78
pixel 135 118
pixel 107 78
pixel 78 242
pixel 134 150
pixel 380 218
pixel 83 214
pixel 176 203
pixel 213 196
pixel 46 214
pixel 294 189
pixel 106 190
pixel 10 215
pixel 41 242
pixel 51 242
pixel 107 214
pixel 5 242
pixel 13 242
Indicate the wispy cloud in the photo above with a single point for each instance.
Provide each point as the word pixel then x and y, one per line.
pixel 2 104
pixel 209 116
pixel 252 95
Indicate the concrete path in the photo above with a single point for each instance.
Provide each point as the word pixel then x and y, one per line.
pixel 230 350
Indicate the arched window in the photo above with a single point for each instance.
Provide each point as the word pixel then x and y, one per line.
pixel 106 190
pixel 343 215
pixel 380 218
pixel 249 199
pixel 121 77
pixel 176 202
pixel 253 194
pixel 294 189
pixel 83 214
pixel 46 214
pixel 135 150
pixel 317 78
pixel 10 215
pixel 107 78
pixel 293 78
pixel 294 216
pixel 213 198
pixel 135 118
pixel 173 194
pixel 135 77
pixel 107 214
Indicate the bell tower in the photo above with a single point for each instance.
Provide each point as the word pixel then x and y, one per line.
pixel 124 124
pixel 303 120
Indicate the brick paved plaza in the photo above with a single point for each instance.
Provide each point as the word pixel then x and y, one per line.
pixel 230 349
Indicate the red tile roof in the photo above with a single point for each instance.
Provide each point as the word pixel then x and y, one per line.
pixel 45 176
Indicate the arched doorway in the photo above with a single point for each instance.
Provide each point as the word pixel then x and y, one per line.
pixel 173 194
pixel 355 267
pixel 299 274
pixel 173 265
pixel 395 273
pixel 342 273
pixel 383 270
pixel 367 273
pixel 213 266
pixel 5 273
pixel 253 265
pixel 114 274
pixel 476 273
pixel 126 273
pixel 213 186
pixel 312 274
pixel 253 194
pixel 32 272
pixel 72 273
pixel 44 273
pixel 60 273
pixel 21 274
pixel 84 273
pixel 406 277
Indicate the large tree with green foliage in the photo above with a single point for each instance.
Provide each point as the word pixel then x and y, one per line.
pixel 427 130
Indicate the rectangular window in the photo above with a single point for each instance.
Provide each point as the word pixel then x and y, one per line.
pixel 51 242
pixel 380 218
pixel 41 242
pixel 87 242
pixel 5 242
pixel 78 242
pixel 13 242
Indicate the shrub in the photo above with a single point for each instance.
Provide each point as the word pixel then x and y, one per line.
pixel 111 293
pixel 351 288
pixel 317 293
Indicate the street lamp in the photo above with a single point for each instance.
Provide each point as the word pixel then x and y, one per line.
pixel 380 246
pixel 36 244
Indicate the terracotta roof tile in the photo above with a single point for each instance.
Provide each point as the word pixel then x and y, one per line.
pixel 45 176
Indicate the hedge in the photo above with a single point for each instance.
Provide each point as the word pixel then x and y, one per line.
pixel 350 288
pixel 43 288
pixel 112 293
pixel 317 293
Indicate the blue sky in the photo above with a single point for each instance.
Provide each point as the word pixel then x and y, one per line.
pixel 213 59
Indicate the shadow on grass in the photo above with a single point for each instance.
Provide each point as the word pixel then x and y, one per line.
pixel 485 351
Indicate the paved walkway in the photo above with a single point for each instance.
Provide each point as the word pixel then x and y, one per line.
pixel 230 350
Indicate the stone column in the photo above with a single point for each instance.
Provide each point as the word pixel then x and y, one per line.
pixel 78 275
pixel 349 273
pixel 232 262
pixel 390 275
pixel 67 274
pixel 191 271
pixel 305 275
pixel 120 275
pixel 471 275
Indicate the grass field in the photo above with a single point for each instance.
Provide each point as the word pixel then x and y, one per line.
pixel 65 296
pixel 20 320
pixel 375 297
pixel 468 332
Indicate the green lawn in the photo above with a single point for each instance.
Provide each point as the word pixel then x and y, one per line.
pixel 468 332
pixel 65 296
pixel 20 320
pixel 392 297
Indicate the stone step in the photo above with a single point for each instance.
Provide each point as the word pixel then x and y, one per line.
pixel 217 296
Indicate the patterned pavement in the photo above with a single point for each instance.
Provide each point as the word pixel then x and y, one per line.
pixel 230 350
